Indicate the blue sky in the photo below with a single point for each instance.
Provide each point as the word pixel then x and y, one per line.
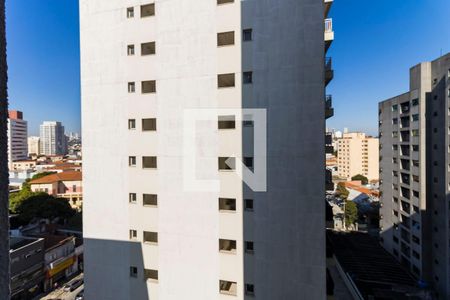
pixel 376 42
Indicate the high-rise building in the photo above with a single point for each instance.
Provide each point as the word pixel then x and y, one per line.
pixel 146 69
pixel 415 174
pixel 53 139
pixel 17 137
pixel 358 155
pixel 34 146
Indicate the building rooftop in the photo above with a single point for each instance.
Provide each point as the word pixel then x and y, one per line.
pixel 19 242
pixel 63 176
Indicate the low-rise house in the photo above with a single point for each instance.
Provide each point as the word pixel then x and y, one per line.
pixel 23 165
pixel 66 185
pixel 27 267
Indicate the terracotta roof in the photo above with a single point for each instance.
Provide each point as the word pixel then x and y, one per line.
pixel 63 176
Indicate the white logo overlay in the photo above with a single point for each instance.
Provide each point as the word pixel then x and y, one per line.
pixel 247 119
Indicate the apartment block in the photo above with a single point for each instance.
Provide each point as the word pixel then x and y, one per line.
pixel 34 145
pixel 358 154
pixel 17 137
pixel 52 138
pixel 415 174
pixel 144 66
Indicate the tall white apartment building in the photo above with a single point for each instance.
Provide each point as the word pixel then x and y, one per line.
pixel 358 154
pixel 34 145
pixel 53 139
pixel 148 65
pixel 415 174
pixel 17 137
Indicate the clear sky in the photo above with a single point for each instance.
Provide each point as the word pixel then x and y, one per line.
pixel 376 42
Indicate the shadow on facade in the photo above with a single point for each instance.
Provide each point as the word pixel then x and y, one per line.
pixel 107 273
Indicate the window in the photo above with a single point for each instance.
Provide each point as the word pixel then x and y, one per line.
pixel 133 234
pixel 147 10
pixel 415 102
pixel 248 204
pixel 415 117
pixel 247 77
pixel 148 86
pixel 228 287
pixel 130 12
pixel 148 48
pixel 394 107
pixel 248 162
pixel 132 197
pixel 224 1
pixel 225 80
pixel 150 199
pixel 150 237
pixel 150 274
pixel 415 148
pixel 394 121
pixel 227 246
pixel 130 50
pixel 227 204
pixel 133 272
pixel 227 163
pixel 74 188
pixel 249 247
pixel 227 122
pixel 149 162
pixel 131 87
pixel 415 132
pixel 247 35
pixel 225 38
pixel 247 123
pixel 149 124
pixel 131 124
pixel 249 289
pixel 132 161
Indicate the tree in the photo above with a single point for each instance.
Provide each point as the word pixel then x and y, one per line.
pixel 4 175
pixel 364 180
pixel 351 213
pixel 342 190
pixel 42 205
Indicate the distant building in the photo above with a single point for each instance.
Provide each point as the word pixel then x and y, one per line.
pixel 415 174
pixel 27 267
pixel 34 146
pixel 66 185
pixel 53 139
pixel 358 154
pixel 17 137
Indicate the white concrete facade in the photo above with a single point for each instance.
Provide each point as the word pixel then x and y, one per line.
pixel 52 138
pixel 17 140
pixel 286 224
pixel 34 145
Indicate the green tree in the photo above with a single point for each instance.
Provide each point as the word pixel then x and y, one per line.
pixel 42 205
pixel 342 190
pixel 351 213
pixel 364 180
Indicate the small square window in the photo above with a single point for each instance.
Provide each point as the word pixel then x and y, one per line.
pixel 249 289
pixel 148 86
pixel 227 204
pixel 132 197
pixel 149 124
pixel 130 12
pixel 130 50
pixel 247 35
pixel 249 247
pixel 227 122
pixel 225 38
pixel 149 162
pixel 131 87
pixel 228 287
pixel 148 48
pixel 248 204
pixel 147 10
pixel 226 80
pixel 132 161
pixel 150 199
pixel 248 77
pixel 131 124
pixel 150 274
pixel 224 1
pixel 150 237
pixel 415 102
pixel 228 246
pixel 227 163
pixel 248 162
pixel 133 234
pixel 133 272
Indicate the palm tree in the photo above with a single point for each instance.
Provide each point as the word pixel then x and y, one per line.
pixel 4 181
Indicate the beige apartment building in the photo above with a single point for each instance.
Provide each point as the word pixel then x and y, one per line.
pixel 358 154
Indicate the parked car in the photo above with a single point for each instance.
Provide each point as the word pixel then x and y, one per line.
pixel 80 295
pixel 72 286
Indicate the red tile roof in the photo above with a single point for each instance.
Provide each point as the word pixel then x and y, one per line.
pixel 63 176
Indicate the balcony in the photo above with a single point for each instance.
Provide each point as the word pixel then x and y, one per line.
pixel 329 185
pixel 329 72
pixel 327 6
pixel 329 110
pixel 329 33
